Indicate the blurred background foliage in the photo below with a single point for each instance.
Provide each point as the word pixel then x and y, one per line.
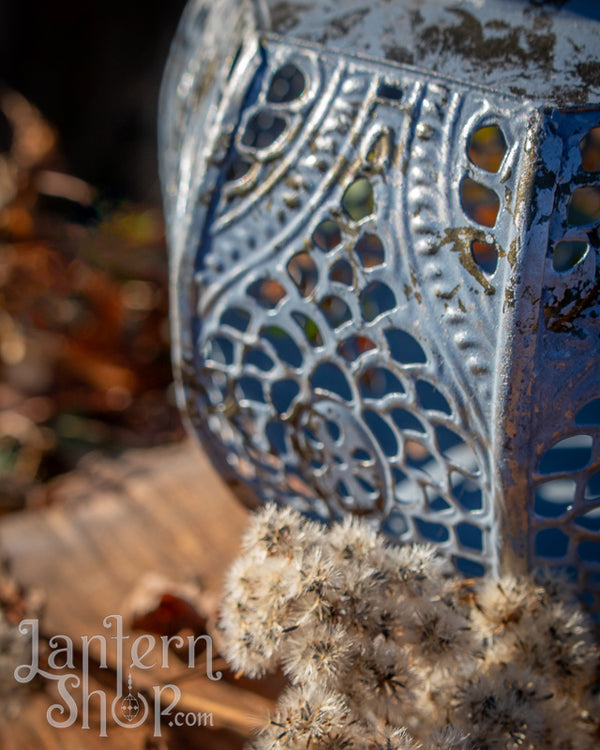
pixel 84 337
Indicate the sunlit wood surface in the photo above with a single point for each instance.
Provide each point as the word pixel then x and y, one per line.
pixel 161 511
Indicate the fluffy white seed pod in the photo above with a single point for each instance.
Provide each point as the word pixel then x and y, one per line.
pixel 306 716
pixel 320 654
pixel 387 651
pixel 280 531
pixel 501 706
pixel 449 738
pixel 382 682
pixel 413 571
pixel 439 636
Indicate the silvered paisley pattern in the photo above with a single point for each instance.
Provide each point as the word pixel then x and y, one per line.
pixel 330 361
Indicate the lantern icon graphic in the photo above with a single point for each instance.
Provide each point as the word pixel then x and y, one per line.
pixel 130 706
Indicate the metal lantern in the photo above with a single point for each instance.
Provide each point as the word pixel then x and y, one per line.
pixel 384 225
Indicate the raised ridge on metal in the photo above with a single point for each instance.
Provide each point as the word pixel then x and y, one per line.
pixel 385 279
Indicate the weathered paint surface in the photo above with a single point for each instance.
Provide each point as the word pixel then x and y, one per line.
pixel 367 319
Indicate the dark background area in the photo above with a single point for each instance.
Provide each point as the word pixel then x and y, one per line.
pixel 84 335
pixel 94 69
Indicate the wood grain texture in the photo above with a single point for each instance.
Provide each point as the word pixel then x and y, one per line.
pixel 162 511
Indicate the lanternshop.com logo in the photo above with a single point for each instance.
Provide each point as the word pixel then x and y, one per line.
pixel 130 709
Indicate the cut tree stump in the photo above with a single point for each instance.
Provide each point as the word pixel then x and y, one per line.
pixel 113 522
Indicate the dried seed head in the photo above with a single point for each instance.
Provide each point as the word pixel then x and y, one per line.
pixel 319 654
pixel 394 738
pixel 440 637
pixel 383 646
pixel 450 738
pixel 383 681
pixel 414 571
pixel 280 531
pixel 502 706
pixel 501 605
pixel 308 715
pixel 559 643
pixel 354 540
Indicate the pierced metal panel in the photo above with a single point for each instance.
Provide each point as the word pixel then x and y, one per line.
pixel 561 414
pixel 385 289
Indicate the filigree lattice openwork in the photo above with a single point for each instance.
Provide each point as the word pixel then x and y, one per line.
pixel 386 291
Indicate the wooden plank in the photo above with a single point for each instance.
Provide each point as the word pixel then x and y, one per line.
pixel 162 511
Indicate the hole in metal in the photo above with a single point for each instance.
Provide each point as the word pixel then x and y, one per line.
pixel 220 351
pixel 362 456
pixel 590 521
pixel 404 348
pixel 435 502
pixel 455 449
pixel 466 492
pixel 395 524
pixel 283 392
pixel 258 358
pixel 276 437
pixel 377 382
pixel 470 536
pixel 364 484
pixel 433 532
pixel 431 399
pixel 343 490
pixel 236 318
pixel 552 499
pixel 590 414
pixel 416 455
pixel 263 129
pixel 284 345
pixel 389 91
pixel 370 250
pixel 592 488
pixel 480 203
pixel 312 439
pixel 589 551
pixel 447 439
pixel 327 235
pixel 237 168
pixel 469 568
pixel 267 292
pixel 405 490
pixel 328 377
pixel 551 543
pixel 303 272
pixel 334 431
pixel 584 206
pixel 487 147
pixel 251 389
pixel 590 151
pixel 376 299
pixel 358 200
pixel 342 273
pixel 309 328
pixel 571 454
pixel 353 347
pixel 335 310
pixel 288 83
pixel 485 255
pixel 568 253
pixel 382 432
pixel 406 421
